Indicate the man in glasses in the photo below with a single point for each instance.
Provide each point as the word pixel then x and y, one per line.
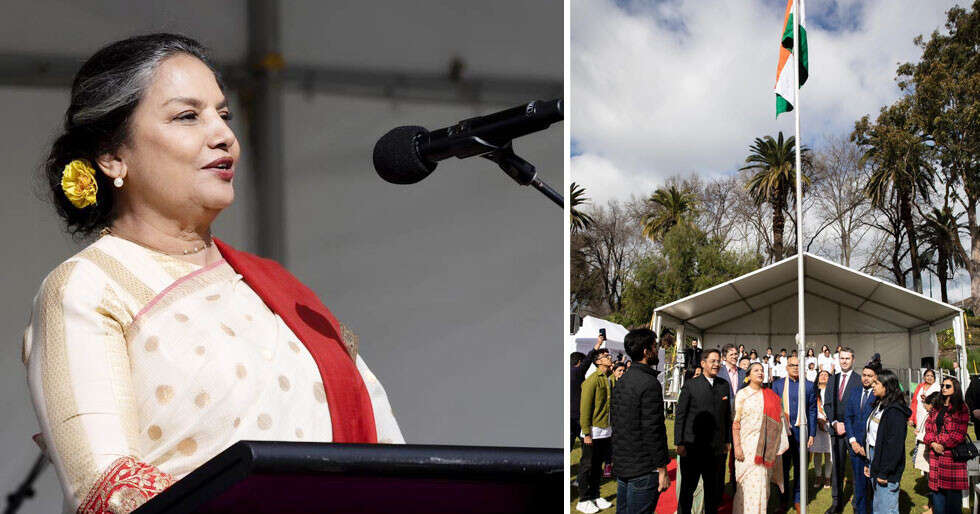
pixel 788 390
pixel 596 433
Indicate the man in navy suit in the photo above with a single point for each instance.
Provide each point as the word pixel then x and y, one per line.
pixel 735 377
pixel 840 388
pixel 788 390
pixel 859 407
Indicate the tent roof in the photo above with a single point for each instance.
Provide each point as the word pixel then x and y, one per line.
pixel 823 279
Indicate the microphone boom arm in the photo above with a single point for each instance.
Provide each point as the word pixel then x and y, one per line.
pixel 518 169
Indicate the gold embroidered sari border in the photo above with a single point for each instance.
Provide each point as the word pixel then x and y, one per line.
pixel 179 289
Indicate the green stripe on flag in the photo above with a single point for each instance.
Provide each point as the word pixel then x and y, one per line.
pixel 782 105
pixel 788 44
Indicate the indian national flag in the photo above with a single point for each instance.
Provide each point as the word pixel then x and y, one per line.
pixel 784 72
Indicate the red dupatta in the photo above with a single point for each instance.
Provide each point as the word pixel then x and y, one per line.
pixel 769 434
pixel 351 414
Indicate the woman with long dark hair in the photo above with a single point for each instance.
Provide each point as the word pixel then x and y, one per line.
pixel 821 443
pixel 885 442
pixel 946 428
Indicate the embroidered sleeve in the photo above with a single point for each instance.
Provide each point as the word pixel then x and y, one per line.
pixel 79 377
pixel 124 486
pixel 351 340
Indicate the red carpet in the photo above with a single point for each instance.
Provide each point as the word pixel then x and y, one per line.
pixel 667 504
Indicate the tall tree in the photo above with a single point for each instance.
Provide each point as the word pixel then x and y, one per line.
pixel 668 207
pixel 945 84
pixel 773 162
pixel 609 247
pixel 900 163
pixel 579 220
pixel 940 235
pixel 842 207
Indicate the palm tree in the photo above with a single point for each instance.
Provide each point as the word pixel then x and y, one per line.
pixel 773 161
pixel 579 219
pixel 941 235
pixel 668 208
pixel 900 165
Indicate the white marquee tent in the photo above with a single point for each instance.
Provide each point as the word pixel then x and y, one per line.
pixel 843 307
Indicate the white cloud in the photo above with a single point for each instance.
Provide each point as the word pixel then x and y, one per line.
pixel 653 98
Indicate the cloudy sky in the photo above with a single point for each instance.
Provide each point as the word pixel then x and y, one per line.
pixel 673 87
pixel 666 87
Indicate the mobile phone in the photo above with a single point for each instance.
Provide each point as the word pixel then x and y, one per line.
pixel 602 332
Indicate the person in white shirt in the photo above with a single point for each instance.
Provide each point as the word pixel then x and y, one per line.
pixel 811 372
pixel 826 361
pixel 810 358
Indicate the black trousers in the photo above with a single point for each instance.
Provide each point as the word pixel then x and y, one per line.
pixel 840 461
pixel 574 431
pixel 590 467
pixel 709 467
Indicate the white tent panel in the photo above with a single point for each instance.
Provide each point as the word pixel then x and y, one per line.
pixel 781 292
pixel 860 322
pixel 843 306
pixel 832 293
pixel 722 315
pixel 749 324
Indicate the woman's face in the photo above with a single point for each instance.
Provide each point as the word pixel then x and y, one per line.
pixel 177 132
pixel 755 374
pixel 947 388
pixel 822 378
pixel 877 388
pixel 930 377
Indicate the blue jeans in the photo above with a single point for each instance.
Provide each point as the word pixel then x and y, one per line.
pixel 637 495
pixel 947 500
pixel 885 497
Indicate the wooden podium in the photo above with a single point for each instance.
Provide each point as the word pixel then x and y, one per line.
pixel 290 477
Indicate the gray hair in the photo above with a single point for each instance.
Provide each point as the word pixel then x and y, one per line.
pixel 99 94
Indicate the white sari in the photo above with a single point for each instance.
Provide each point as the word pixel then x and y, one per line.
pixel 142 367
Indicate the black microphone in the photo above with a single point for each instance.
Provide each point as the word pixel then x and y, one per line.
pixel 406 155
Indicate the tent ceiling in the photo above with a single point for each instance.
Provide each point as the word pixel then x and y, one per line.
pixel 824 280
pixel 508 38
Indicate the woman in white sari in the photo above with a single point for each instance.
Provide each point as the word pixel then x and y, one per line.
pixel 759 438
pixel 156 347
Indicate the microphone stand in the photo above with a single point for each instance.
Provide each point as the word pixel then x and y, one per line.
pixel 518 169
pixel 26 489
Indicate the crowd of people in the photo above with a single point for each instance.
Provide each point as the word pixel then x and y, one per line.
pixel 739 409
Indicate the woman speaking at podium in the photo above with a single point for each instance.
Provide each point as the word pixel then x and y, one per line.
pixel 158 346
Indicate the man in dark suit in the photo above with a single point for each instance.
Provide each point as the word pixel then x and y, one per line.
pixel 735 377
pixel 788 391
pixel 639 440
pixel 859 407
pixel 842 385
pixel 703 434
pixel 692 356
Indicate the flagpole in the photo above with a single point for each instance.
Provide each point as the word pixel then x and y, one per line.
pixel 801 469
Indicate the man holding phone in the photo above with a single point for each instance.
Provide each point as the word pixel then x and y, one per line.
pixel 596 433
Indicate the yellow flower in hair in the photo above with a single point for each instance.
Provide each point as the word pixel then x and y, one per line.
pixel 79 184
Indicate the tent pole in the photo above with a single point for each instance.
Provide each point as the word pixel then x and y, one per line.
pixel 960 339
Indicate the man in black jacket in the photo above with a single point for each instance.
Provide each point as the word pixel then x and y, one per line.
pixel 703 434
pixel 973 402
pixel 639 440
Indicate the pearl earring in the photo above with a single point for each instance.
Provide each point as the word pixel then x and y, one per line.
pixel 118 182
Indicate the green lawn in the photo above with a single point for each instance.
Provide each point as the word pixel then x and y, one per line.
pixel 912 496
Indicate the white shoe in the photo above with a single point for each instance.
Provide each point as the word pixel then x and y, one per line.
pixel 602 503
pixel 587 507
